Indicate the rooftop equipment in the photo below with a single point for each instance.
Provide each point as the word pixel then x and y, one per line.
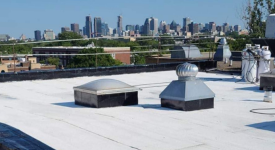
pixel 106 93
pixel 270 24
pixel 188 51
pixel 187 93
pixel 249 64
pixel 223 52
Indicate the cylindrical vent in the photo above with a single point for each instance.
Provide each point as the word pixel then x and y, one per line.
pixel 187 70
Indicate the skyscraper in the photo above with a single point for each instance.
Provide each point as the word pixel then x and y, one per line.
pixel 212 26
pixel 225 27
pixel 137 28
pixel 97 27
pixel 105 28
pixel 146 27
pixel 88 26
pixel 75 27
pixel 37 35
pixel 130 28
pixel 119 25
pixel 154 25
pixel 161 25
pixel 186 22
pixel 65 29
pixel 237 28
pixel 49 35
pixel 84 31
pixel 173 25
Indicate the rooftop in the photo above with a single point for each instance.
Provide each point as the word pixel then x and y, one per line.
pixel 45 110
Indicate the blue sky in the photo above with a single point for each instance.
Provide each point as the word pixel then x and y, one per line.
pixel 24 16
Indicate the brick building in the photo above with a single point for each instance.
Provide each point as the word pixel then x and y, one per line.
pixel 119 53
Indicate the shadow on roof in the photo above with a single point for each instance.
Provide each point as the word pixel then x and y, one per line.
pixel 269 126
pixel 68 104
pixel 12 138
pixel 219 79
pixel 153 106
pixel 251 100
pixel 253 88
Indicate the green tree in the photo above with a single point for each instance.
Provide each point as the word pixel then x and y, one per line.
pixel 69 35
pixel 84 61
pixel 254 15
pixel 52 61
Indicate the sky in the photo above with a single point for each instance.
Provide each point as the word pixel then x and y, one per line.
pixel 25 16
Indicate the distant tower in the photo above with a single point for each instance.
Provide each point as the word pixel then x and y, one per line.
pixel 146 27
pixel 65 29
pixel 97 27
pixel 88 26
pixel 75 27
pixel 186 22
pixel 119 25
pixel 37 35
pixel 161 25
pixel 212 26
pixel 154 25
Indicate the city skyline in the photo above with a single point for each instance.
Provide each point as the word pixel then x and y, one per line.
pixel 55 19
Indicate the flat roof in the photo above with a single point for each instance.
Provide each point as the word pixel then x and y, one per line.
pixel 46 111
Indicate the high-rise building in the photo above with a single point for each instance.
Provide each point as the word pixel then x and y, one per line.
pixel 97 27
pixel 65 29
pixel 201 26
pixel 191 27
pixel 237 28
pixel 225 27
pixel 178 28
pixel 173 25
pixel 37 35
pixel 219 28
pixel 154 25
pixel 130 28
pixel 119 25
pixel 84 31
pixel 206 27
pixel 137 28
pixel 4 37
pixel 104 28
pixel 146 27
pixel 88 26
pixel 161 25
pixel 81 32
pixel 166 28
pixel 212 26
pixel 75 27
pixel 48 35
pixel 195 28
pixel 186 22
pixel 110 31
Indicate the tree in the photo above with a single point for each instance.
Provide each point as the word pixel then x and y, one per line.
pixel 254 16
pixel 52 61
pixel 69 35
pixel 85 61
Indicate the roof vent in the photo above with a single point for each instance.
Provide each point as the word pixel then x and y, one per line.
pixel 223 52
pixel 106 93
pixel 187 93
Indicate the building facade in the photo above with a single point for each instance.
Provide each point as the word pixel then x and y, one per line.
pixel 65 29
pixel 186 22
pixel 237 28
pixel 119 25
pixel 37 35
pixel 154 25
pixel 97 27
pixel 48 35
pixel 75 27
pixel 88 26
